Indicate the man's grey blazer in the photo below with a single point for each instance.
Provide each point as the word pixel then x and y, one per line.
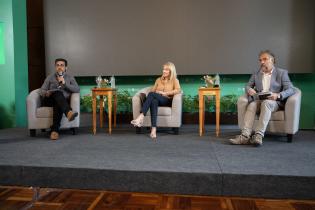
pixel 279 83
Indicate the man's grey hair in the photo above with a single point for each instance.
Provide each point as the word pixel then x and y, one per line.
pixel 269 53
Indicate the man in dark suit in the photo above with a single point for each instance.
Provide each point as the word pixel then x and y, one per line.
pixel 268 79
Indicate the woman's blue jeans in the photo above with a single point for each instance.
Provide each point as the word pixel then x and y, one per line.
pixel 152 102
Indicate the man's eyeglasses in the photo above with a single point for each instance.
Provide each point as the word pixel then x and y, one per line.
pixel 62 65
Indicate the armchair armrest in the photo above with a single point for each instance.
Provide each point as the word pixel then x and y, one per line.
pixel 32 103
pixel 75 102
pixel 136 105
pixel 136 101
pixel 177 104
pixel 292 112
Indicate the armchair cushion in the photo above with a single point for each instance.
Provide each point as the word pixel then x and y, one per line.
pixel 44 112
pixel 163 111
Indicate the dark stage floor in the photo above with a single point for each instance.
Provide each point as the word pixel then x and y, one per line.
pixel 180 164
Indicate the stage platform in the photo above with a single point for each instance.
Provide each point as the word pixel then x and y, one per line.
pixel 174 164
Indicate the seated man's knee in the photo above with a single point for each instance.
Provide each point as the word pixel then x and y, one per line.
pixel 252 106
pixel 267 104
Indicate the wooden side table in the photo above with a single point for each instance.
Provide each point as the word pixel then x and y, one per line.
pixel 110 93
pixel 202 92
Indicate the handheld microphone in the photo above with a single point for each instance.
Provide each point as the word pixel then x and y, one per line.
pixel 60 74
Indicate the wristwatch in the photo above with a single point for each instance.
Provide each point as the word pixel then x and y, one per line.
pixel 279 96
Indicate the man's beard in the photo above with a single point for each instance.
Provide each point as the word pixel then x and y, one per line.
pixel 60 73
pixel 265 68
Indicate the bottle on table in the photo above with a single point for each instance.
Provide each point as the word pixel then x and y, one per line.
pixel 217 80
pixel 112 82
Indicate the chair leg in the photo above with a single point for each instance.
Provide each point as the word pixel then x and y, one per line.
pixel 290 137
pixel 74 131
pixel 138 130
pixel 32 132
pixel 176 130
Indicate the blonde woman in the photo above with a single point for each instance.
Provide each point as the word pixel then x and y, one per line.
pixel 162 93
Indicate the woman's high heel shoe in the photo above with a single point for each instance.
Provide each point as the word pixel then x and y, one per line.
pixel 137 123
pixel 153 136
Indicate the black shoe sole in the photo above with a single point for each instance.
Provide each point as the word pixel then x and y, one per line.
pixel 257 145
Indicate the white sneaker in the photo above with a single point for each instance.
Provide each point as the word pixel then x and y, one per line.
pixel 240 139
pixel 256 140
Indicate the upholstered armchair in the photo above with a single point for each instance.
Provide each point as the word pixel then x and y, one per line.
pixel 283 121
pixel 42 117
pixel 167 116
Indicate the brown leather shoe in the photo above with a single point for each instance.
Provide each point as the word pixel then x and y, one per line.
pixel 72 115
pixel 54 135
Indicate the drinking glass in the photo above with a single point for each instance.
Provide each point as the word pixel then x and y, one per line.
pixel 98 80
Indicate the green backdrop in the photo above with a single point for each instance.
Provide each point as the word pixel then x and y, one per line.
pixel 14 71
pixel 2 58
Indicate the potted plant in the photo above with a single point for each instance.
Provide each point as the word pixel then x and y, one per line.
pixel 190 109
pixel 86 103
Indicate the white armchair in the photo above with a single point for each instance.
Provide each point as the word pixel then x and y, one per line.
pixel 42 117
pixel 167 116
pixel 283 121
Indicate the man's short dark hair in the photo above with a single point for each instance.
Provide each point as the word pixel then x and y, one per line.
pixel 269 53
pixel 61 59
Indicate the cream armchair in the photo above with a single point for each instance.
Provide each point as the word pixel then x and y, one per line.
pixel 167 116
pixel 283 121
pixel 42 117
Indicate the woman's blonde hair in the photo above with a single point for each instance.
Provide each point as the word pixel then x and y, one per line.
pixel 171 66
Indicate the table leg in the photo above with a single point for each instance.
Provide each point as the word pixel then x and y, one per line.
pixel 115 109
pixel 217 113
pixel 110 112
pixel 94 112
pixel 201 114
pixel 101 110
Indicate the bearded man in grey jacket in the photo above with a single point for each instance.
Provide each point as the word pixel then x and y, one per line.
pixel 56 92
pixel 276 85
